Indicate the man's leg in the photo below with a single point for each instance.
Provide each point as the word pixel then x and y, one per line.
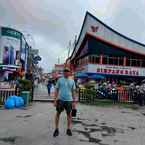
pixel 59 109
pixel 68 108
pixel 69 120
pixel 57 116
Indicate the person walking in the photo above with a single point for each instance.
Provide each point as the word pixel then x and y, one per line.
pixel 49 85
pixel 64 100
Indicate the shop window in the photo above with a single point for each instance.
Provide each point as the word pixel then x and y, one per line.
pixel 87 60
pixel 90 59
pixel 115 60
pixel 138 62
pixel 105 60
pixel 128 62
pixel 93 59
pixel 97 59
pixel 143 63
pixel 120 60
pixel 111 60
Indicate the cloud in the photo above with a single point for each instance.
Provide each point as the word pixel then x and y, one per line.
pixel 129 19
pixel 53 23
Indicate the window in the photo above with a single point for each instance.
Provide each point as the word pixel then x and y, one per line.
pixel 105 60
pixel 128 62
pixel 111 60
pixel 120 60
pixel 143 63
pixel 90 59
pixel 97 59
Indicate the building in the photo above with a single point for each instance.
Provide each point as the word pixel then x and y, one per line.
pixel 13 53
pixel 104 51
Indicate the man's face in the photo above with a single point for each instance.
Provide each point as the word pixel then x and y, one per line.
pixel 66 74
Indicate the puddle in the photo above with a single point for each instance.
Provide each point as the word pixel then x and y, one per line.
pixel 103 123
pixel 96 120
pixel 87 136
pixel 132 128
pixel 9 139
pixel 109 131
pixel 101 128
pixel 23 116
pixel 124 112
pixel 76 122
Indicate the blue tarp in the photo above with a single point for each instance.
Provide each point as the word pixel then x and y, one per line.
pixel 14 101
pixel 81 75
pixel 96 76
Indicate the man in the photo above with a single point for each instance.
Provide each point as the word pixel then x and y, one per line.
pixel 49 85
pixel 64 99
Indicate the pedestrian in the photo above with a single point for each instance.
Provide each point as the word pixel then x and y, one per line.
pixel 64 100
pixel 114 94
pixel 49 85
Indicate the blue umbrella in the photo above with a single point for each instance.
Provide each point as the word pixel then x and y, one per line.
pixel 96 76
pixel 81 75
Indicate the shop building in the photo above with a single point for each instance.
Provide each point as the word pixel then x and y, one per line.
pixel 13 53
pixel 104 51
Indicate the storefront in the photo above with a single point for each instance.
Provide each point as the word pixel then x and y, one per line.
pixel 13 53
pixel 102 50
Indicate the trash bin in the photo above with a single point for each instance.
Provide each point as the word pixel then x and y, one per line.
pixel 26 96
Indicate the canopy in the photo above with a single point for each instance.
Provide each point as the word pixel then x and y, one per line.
pixel 81 75
pixel 96 76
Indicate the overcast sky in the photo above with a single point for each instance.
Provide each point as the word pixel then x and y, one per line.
pixel 52 23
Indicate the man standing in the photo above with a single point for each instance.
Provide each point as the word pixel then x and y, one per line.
pixel 64 99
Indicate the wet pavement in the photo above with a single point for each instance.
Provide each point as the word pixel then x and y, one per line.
pixel 93 125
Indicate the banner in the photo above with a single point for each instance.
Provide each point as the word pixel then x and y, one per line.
pixel 23 49
pixel 9 46
pixel 116 70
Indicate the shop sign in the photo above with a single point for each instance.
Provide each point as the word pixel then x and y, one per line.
pixel 116 70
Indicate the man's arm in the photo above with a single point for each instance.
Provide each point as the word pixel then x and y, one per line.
pixel 74 92
pixel 56 93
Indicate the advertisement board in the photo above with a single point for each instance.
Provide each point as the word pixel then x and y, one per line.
pixel 116 70
pixel 112 70
pixel 23 49
pixel 26 56
pixel 10 42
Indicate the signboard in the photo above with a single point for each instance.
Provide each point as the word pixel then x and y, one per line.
pixel 116 70
pixel 26 56
pixel 9 46
pixel 23 49
pixel 34 51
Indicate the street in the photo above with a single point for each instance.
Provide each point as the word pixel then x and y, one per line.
pixel 94 125
pixel 41 93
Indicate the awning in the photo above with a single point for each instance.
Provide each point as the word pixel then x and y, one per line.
pixel 81 75
pixel 9 67
pixel 96 76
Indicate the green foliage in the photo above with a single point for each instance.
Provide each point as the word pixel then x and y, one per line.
pixel 25 85
pixel 89 85
pixel 90 92
pixel 0 101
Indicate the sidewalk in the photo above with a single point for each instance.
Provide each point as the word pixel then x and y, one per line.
pixel 94 125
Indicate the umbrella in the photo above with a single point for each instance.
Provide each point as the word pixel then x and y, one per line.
pixel 96 76
pixel 81 75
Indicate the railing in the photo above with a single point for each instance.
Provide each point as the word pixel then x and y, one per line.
pixel 5 93
pixel 91 95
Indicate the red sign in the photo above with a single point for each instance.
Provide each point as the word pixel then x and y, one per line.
pixel 118 71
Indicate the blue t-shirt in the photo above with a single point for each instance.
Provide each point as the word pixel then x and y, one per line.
pixel 65 87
